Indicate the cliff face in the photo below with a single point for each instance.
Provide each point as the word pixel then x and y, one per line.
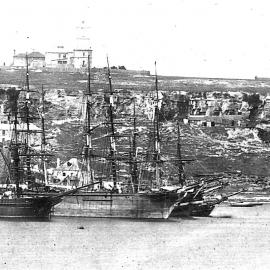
pixel 215 149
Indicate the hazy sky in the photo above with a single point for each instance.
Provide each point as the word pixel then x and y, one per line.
pixel 213 38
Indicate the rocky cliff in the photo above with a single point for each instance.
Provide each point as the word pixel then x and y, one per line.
pixel 214 149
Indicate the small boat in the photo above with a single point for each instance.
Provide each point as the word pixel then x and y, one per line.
pixel 245 204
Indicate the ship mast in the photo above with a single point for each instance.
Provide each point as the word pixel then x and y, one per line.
pixel 43 138
pixel 28 161
pixel 112 129
pixel 181 178
pixel 134 171
pixel 88 146
pixel 15 145
pixel 156 132
pixel 15 151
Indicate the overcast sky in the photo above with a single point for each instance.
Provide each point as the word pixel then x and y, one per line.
pixel 209 38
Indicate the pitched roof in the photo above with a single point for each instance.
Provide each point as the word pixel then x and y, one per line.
pixel 30 55
pixel 20 55
pixel 36 55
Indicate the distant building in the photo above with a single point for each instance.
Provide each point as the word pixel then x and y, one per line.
pixel 7 128
pixel 77 59
pixel 6 131
pixel 80 58
pixel 35 60
pixel 211 121
pixel 68 60
pixel 217 110
pixel 82 49
pixel 59 58
pixel 69 174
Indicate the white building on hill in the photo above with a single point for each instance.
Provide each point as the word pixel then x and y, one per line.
pixel 60 58
pixel 68 60
pixel 35 60
pixel 77 59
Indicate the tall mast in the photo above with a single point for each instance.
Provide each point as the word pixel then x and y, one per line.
pixel 88 146
pixel 181 176
pixel 89 75
pixel 15 151
pixel 134 152
pixel 179 157
pixel 112 135
pixel 28 161
pixel 43 139
pixel 156 131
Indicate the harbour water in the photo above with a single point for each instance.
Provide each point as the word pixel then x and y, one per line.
pixel 233 238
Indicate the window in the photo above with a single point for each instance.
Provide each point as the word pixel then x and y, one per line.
pixel 64 56
pixel 83 54
pixel 3 132
pixel 61 62
pixel 83 63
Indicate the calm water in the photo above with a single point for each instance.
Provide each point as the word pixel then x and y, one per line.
pixel 234 238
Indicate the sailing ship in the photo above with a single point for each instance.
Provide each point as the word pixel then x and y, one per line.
pixel 13 203
pixel 200 199
pixel 122 196
pixel 197 203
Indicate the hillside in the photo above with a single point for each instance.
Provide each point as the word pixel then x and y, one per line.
pixel 214 149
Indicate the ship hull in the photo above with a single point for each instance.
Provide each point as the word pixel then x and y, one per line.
pixel 197 210
pixel 32 208
pixel 203 210
pixel 108 205
pixel 181 211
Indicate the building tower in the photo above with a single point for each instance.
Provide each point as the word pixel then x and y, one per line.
pixel 83 49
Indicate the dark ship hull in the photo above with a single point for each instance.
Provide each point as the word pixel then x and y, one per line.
pixel 199 209
pixel 126 205
pixel 31 207
pixel 203 210
pixel 182 210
